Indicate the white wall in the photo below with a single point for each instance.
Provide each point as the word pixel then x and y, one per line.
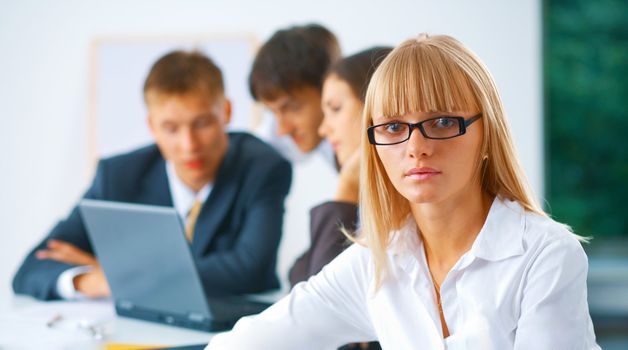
pixel 44 79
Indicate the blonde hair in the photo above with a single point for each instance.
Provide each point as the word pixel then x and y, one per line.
pixel 426 74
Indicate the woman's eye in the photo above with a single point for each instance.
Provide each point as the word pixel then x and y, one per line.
pixel 443 123
pixel 394 127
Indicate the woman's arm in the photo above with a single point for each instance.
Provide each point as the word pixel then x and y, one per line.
pixel 325 312
pixel 554 309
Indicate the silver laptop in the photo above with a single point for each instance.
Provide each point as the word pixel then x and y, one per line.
pixel 150 270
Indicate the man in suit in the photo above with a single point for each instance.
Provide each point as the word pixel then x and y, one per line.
pixel 229 189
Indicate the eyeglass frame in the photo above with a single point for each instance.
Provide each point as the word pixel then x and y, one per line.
pixel 462 123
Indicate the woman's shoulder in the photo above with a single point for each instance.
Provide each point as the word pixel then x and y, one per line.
pixel 357 253
pixel 543 227
pixel 352 269
pixel 545 236
pixel 355 260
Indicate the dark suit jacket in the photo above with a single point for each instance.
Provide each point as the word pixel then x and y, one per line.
pixel 327 241
pixel 237 232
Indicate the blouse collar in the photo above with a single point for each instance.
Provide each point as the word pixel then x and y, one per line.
pixel 501 236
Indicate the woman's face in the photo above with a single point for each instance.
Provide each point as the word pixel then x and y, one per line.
pixel 432 171
pixel 342 112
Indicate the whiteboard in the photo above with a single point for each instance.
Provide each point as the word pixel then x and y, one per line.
pixel 119 66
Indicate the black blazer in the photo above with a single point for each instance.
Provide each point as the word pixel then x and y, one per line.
pixel 327 239
pixel 237 232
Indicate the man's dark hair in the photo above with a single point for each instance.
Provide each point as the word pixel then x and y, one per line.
pixel 180 72
pixel 358 68
pixel 291 59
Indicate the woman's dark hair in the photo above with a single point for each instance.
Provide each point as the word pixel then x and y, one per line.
pixel 291 59
pixel 357 69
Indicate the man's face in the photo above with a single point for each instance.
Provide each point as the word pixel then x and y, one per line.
pixel 190 131
pixel 298 115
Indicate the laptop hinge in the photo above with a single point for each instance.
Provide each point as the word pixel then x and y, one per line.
pixel 196 317
pixel 125 305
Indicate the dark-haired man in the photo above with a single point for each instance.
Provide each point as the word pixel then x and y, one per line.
pixel 229 189
pixel 287 77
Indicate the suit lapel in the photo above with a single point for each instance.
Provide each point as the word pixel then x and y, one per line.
pixel 220 201
pixel 155 188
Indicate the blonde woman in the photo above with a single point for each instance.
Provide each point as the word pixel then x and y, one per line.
pixel 454 251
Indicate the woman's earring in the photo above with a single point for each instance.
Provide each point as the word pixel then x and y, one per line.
pixel 485 157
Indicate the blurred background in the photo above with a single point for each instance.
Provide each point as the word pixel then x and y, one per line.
pixel 585 71
pixel 561 67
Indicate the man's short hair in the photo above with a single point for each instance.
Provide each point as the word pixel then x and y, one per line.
pixel 181 72
pixel 291 59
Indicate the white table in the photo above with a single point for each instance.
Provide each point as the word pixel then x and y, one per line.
pixel 23 325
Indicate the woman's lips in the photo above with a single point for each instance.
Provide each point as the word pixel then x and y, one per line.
pixel 422 173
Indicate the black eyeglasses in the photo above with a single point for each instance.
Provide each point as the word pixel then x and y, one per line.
pixel 439 128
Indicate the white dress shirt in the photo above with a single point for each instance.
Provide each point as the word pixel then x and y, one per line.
pixel 522 285
pixel 183 199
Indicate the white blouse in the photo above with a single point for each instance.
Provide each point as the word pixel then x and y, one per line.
pixel 522 285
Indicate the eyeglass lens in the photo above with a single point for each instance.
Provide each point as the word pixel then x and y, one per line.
pixel 395 132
